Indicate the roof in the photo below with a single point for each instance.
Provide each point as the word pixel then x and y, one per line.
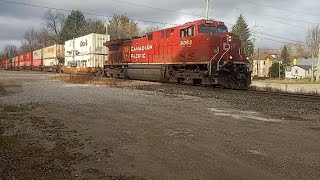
pixel 264 56
pixel 307 62
pixel 305 67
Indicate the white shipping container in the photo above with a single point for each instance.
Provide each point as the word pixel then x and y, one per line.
pixel 37 55
pixel 54 51
pixel 88 50
pixel 91 60
pixel 50 62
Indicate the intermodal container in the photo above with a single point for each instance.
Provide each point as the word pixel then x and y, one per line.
pixel 21 60
pixel 54 52
pixel 4 63
pixel 87 51
pixel 29 59
pixel 37 58
pixel 16 62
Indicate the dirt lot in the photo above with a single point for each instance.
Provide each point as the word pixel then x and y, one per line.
pixel 51 129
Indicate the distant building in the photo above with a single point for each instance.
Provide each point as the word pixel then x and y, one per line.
pixel 262 63
pixel 302 69
pixel 299 72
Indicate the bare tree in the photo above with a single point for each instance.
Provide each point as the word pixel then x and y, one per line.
pixel 149 29
pixel 44 39
pixel 120 27
pixel 93 26
pixel 9 51
pixel 29 42
pixel 300 50
pixel 54 21
pixel 313 41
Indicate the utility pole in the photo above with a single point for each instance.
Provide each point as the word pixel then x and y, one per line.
pixel 207 10
pixel 258 62
pixel 312 71
pixel 279 69
pixel 318 68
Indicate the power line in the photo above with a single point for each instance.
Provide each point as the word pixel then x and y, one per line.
pixel 196 10
pixel 66 10
pixel 259 14
pixel 295 20
pixel 289 10
pixel 144 6
pixel 272 40
pixel 276 36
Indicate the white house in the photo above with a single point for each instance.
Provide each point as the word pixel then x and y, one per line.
pixel 302 69
pixel 299 72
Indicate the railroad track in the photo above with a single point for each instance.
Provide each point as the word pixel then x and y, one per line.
pixel 285 95
pixel 281 95
pixel 274 94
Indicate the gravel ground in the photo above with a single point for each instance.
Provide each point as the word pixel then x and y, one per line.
pixel 161 131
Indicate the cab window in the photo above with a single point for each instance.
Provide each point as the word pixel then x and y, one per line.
pixel 188 32
pixel 150 36
pixel 212 29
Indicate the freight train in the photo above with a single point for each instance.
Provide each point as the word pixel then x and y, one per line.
pixel 200 52
pixel 47 59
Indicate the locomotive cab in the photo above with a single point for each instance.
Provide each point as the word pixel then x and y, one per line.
pixel 228 63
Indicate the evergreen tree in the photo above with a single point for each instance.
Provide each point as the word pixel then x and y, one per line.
pixel 274 70
pixel 73 26
pixel 241 29
pixel 285 56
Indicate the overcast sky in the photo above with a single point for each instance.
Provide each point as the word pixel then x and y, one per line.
pixel 276 20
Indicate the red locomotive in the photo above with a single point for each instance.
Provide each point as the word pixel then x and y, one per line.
pixel 199 52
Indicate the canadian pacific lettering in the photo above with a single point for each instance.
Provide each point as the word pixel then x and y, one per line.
pixel 138 56
pixel 141 48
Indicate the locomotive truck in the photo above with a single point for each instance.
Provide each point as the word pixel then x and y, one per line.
pixel 200 52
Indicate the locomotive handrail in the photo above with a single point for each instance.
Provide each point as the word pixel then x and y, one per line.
pixel 210 66
pixel 218 68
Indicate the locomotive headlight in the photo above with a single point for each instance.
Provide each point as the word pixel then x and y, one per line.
pixel 231 57
pixel 229 38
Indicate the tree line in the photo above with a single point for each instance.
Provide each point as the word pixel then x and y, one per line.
pixel 58 28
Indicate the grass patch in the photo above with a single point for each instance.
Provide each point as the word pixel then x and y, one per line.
pixel 11 108
pixel 2 89
pixel 6 142
pixel 88 79
pixel 18 108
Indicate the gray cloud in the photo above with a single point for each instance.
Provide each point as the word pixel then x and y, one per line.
pixel 16 19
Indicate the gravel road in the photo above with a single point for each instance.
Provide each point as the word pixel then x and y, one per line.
pixel 170 132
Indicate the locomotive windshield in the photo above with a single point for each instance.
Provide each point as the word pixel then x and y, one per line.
pixel 212 29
